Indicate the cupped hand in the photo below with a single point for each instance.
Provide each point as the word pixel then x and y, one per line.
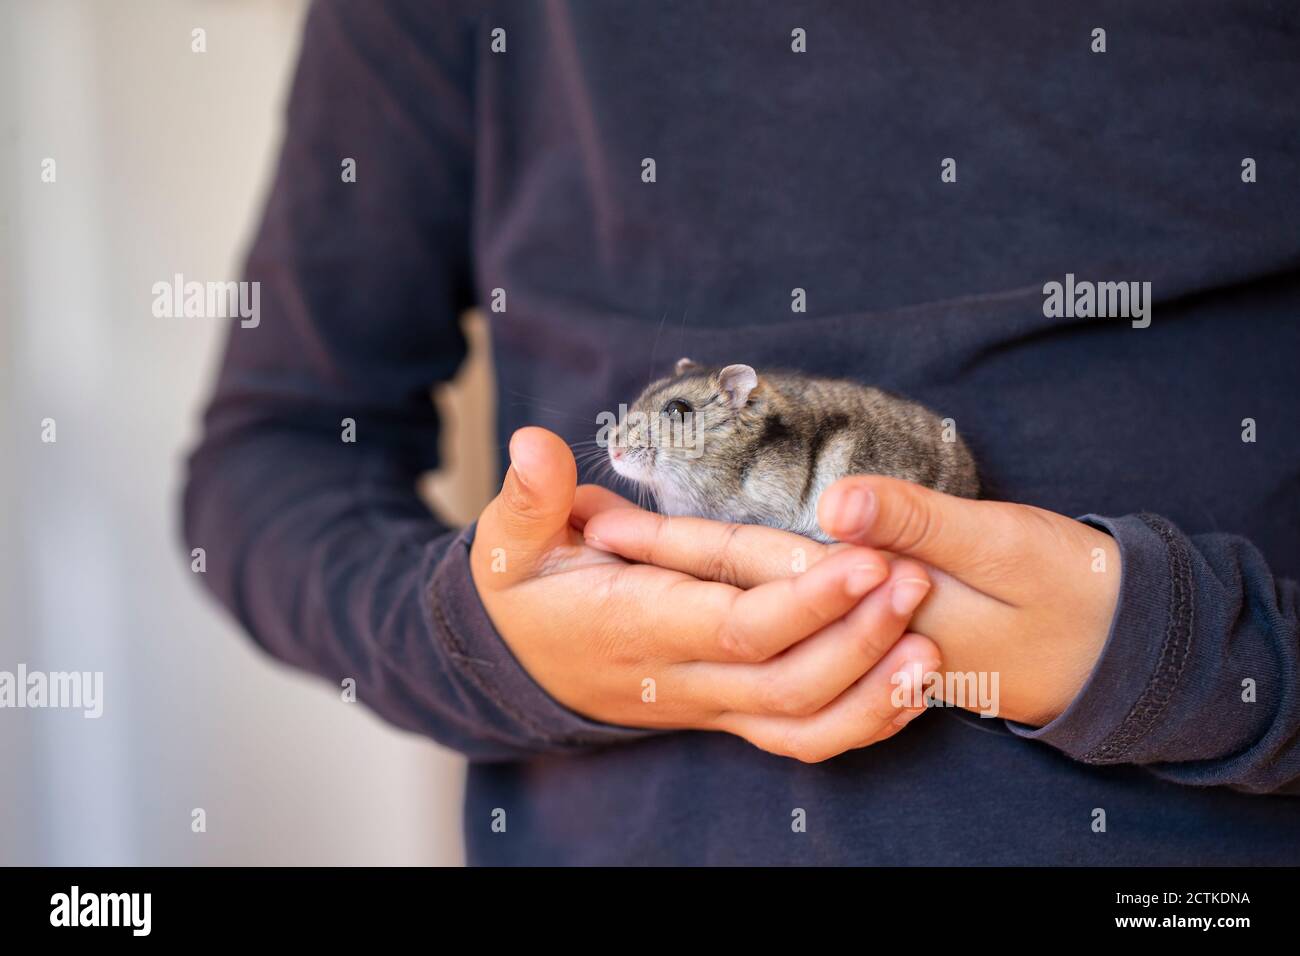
pixel 803 665
pixel 1018 591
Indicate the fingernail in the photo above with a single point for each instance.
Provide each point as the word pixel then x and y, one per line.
pixel 862 578
pixel 854 511
pixel 520 460
pixel 595 542
pixel 907 594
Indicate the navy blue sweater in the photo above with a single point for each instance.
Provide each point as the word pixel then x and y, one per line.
pixel 775 170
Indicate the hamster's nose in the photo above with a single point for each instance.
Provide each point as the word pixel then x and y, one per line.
pixel 615 452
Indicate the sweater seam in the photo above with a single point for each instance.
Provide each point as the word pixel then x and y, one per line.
pixel 1175 651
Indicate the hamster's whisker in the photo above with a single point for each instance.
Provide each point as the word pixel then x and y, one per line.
pixel 557 412
pixel 536 401
pixel 599 469
pixel 589 455
pixel 654 349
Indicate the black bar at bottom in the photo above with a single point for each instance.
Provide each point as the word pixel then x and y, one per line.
pixel 374 905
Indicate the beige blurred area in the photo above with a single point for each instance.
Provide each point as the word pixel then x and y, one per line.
pixel 163 158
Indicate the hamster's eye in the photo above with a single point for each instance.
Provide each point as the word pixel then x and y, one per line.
pixel 677 409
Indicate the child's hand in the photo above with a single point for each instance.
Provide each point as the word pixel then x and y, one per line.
pixel 1022 591
pixel 801 665
pixel 1017 590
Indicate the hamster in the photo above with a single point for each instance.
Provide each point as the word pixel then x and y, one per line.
pixel 732 445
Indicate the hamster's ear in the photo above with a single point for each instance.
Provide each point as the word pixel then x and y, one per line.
pixel 684 365
pixel 736 382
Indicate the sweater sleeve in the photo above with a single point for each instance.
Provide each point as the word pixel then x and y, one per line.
pixel 1199 679
pixel 302 490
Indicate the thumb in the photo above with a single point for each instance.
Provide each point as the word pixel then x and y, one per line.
pixel 531 514
pixel 957 535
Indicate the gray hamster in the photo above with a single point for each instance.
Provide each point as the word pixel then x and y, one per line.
pixel 733 445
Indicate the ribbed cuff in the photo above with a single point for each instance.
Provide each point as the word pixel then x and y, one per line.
pixel 1145 652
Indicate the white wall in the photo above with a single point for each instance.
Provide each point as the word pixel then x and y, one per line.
pixel 162 158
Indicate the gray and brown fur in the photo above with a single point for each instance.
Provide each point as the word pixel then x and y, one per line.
pixel 770 444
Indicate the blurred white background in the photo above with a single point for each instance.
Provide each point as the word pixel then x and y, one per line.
pixel 163 156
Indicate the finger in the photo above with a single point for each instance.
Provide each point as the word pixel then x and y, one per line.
pixel 593 499
pixel 766 620
pixel 814 672
pixel 742 555
pixel 865 712
pixel 912 691
pixel 965 622
pixel 531 513
pixel 692 620
pixel 971 539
